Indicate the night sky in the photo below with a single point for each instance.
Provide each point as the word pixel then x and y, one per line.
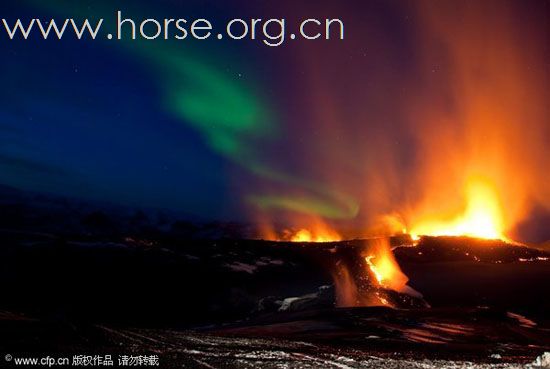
pixel 237 130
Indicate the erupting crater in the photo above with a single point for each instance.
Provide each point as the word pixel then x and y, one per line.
pixel 483 216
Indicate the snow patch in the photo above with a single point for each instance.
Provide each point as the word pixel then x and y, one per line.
pixel 242 267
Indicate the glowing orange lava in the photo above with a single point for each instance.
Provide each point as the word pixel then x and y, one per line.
pixel 482 216
pixel 304 235
pixel 384 267
pixel 312 229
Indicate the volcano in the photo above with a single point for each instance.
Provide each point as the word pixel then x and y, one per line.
pixel 378 198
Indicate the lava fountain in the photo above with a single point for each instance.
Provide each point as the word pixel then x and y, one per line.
pixel 481 218
pixel 482 122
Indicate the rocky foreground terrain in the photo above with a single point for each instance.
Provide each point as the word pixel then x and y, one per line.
pixel 342 339
pixel 250 303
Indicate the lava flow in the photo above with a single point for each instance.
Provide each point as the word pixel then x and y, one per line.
pixel 386 270
pixel 369 275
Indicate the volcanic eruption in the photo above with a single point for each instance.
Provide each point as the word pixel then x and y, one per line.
pixel 457 146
